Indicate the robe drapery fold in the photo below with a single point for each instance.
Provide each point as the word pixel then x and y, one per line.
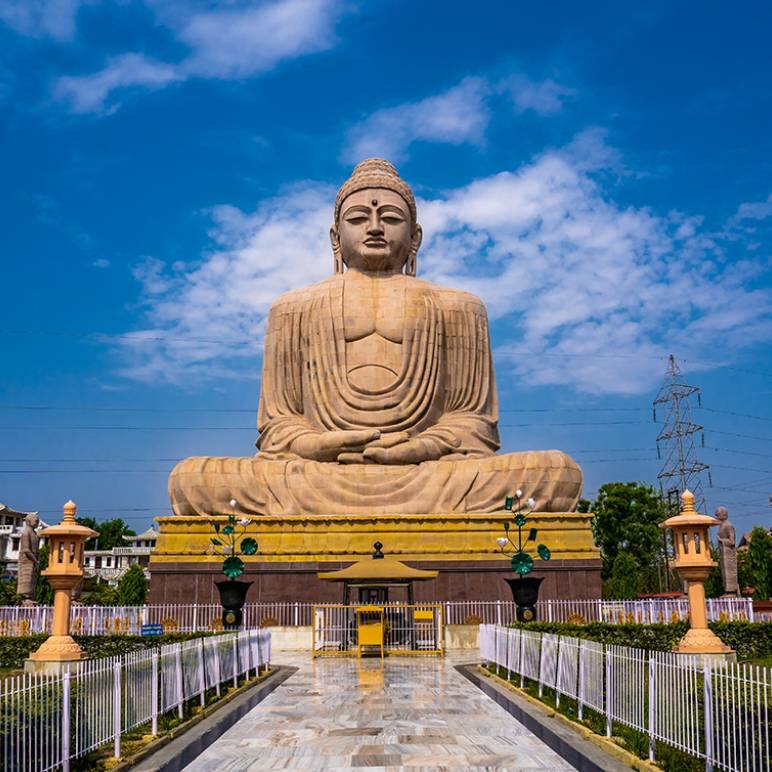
pixel 444 393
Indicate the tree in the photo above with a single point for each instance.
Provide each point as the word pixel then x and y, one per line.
pixel 760 563
pixel 97 592
pixel 132 588
pixel 111 533
pixel 625 581
pixel 626 518
pixel 44 593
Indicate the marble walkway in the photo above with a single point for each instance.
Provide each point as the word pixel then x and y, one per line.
pixel 413 714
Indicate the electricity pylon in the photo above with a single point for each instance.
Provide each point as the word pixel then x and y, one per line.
pixel 682 469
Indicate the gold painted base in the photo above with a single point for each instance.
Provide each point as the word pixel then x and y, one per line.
pixel 335 538
pixel 58 648
pixel 702 641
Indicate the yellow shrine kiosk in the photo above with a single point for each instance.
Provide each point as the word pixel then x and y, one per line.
pixel 371 623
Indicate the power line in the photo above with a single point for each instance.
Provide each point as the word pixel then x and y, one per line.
pixel 252 428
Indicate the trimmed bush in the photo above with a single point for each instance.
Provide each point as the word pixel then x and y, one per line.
pixel 14 650
pixel 749 639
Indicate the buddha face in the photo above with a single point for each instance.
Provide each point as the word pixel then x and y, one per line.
pixel 375 232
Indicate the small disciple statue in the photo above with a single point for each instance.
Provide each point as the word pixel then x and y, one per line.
pixel 26 579
pixel 378 393
pixel 727 553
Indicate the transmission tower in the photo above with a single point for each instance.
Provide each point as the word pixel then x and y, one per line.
pixel 676 441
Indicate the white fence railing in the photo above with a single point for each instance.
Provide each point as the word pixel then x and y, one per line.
pixel 48 720
pixel 106 620
pixel 719 713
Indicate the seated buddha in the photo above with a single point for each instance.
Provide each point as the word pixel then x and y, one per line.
pixel 378 394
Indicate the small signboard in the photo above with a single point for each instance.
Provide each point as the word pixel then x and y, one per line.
pixel 152 630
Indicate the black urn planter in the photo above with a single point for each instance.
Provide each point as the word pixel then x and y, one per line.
pixel 525 593
pixel 233 595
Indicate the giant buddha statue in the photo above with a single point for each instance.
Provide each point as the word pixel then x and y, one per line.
pixel 378 394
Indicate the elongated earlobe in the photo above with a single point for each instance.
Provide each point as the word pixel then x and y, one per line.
pixel 337 257
pixel 411 266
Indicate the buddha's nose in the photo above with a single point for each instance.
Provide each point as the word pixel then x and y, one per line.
pixel 375 226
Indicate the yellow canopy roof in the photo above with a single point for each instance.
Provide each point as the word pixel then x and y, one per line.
pixel 380 570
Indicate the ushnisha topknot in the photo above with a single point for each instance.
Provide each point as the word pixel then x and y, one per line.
pixel 375 173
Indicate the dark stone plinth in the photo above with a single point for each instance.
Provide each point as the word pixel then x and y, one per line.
pixel 276 582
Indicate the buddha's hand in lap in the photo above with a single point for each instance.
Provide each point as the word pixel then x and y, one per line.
pixel 396 449
pixel 330 446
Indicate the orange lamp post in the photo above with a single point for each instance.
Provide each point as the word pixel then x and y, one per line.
pixel 693 563
pixel 65 569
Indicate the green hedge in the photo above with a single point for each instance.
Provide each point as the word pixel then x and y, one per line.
pixel 14 650
pixel 749 639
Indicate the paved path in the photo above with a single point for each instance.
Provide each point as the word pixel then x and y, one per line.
pixel 416 714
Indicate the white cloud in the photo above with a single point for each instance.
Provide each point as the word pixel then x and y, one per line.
pixel 544 97
pixel 755 210
pixel 582 292
pixel 238 43
pixel 212 312
pixel 457 116
pixel 89 93
pixel 234 40
pixel 42 18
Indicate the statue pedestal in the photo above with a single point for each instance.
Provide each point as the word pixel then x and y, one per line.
pixel 292 550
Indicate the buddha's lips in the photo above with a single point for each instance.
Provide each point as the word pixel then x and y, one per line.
pixel 375 243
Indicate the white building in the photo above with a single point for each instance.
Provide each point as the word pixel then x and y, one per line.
pixel 11 526
pixel 111 565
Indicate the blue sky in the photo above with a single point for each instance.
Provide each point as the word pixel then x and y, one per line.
pixel 598 173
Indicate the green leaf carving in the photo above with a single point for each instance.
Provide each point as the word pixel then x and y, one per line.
pixel 544 553
pixel 248 546
pixel 228 530
pixel 233 567
pixel 522 563
pixel 520 519
pixel 532 534
pixel 217 542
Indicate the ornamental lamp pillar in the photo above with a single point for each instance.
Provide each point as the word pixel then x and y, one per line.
pixel 65 569
pixel 693 563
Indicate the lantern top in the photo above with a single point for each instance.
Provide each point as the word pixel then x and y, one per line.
pixel 68 526
pixel 688 515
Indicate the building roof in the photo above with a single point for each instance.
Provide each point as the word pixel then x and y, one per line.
pixel 377 570
pixel 6 510
pixel 150 533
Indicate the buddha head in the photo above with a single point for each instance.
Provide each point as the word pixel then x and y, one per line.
pixel 375 228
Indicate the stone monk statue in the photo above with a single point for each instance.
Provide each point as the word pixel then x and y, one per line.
pixel 378 394
pixel 26 578
pixel 727 553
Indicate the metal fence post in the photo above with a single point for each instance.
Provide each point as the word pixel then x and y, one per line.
pixel 154 694
pixel 195 618
pixel 178 678
pixel 608 692
pixel 498 612
pixel 652 705
pixel 117 708
pixel 580 691
pixel 218 673
pixel 235 662
pixel 66 721
pixel 202 671
pixel 707 694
